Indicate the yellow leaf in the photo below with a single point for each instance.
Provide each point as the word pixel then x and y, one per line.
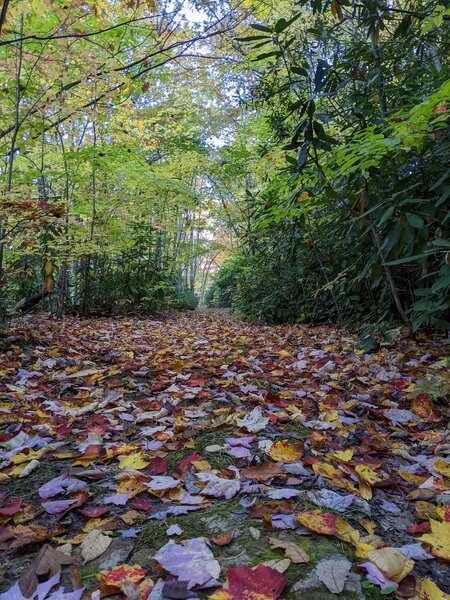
pixel 442 467
pixel 24 470
pixel 285 452
pixel 392 562
pixel 438 539
pixel 201 465
pixel 221 595
pixel 31 455
pixel 368 525
pixel 430 591
pixel 135 461
pixel 368 474
pixel 365 490
pixel 362 550
pixel 131 487
pixel 344 455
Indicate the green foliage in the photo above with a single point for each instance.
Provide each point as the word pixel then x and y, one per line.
pixel 221 291
pixel 354 228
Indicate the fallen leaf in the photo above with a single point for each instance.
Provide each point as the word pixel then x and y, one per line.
pixel 223 539
pixel 111 582
pixel 47 564
pixel 392 562
pixel 94 545
pixel 260 583
pixel 190 560
pixel 291 550
pixel 438 539
pixel 430 591
pixel 263 472
pixel 282 451
pixel 218 487
pixel 334 573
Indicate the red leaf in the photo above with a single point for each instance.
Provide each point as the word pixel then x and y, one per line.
pixel 94 511
pixel 185 462
pixel 157 466
pixel 12 507
pixel 140 504
pixel 244 581
pixel 419 528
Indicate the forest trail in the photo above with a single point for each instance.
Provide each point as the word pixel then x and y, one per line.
pixel 245 444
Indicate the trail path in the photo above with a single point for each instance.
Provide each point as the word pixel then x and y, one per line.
pixel 285 450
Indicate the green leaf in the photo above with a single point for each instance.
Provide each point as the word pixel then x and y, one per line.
pixel 261 27
pixel 253 38
pixel 267 55
pixel 407 259
pixel 281 25
pixel 442 283
pixel 299 71
pixel 387 215
pixel 414 220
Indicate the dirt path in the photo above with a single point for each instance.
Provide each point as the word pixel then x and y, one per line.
pixel 246 445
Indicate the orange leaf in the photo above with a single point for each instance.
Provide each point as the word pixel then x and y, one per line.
pixel 285 452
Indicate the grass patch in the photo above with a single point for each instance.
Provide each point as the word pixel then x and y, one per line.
pixel 212 437
pixel 193 524
pixel 294 429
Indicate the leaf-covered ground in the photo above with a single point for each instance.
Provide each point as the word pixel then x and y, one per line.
pixel 199 456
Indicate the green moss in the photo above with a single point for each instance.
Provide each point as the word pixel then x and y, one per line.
pixel 89 576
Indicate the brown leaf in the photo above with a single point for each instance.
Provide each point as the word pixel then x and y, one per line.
pixel 48 562
pixel 291 550
pixel 223 539
pixel 263 472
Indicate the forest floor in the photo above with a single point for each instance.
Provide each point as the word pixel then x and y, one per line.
pixel 176 451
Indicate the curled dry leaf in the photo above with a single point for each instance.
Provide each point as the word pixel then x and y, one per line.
pixel 392 562
pixel 223 539
pixel 291 550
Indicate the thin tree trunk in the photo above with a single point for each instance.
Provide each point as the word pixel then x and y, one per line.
pixel 389 278
pixel 88 260
pixel 12 150
pixel 3 16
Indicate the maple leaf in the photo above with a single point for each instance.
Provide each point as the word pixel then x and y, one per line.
pixel 438 539
pixel 430 591
pixel 134 461
pixel 260 583
pixel 111 582
pixel 282 451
